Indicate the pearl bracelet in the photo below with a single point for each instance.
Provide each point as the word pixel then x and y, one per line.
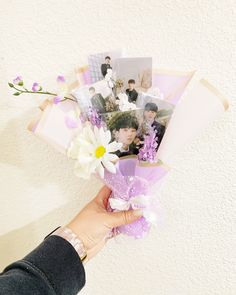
pixel 67 234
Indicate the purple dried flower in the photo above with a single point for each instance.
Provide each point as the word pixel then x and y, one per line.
pixel 61 79
pixel 36 87
pixel 18 81
pixel 56 99
pixel 95 118
pixel 149 149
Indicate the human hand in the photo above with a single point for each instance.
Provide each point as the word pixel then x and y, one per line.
pixel 93 224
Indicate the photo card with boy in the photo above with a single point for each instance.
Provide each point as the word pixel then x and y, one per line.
pixel 135 75
pixel 124 127
pixel 98 96
pixel 99 63
pixel 162 109
pixel 131 127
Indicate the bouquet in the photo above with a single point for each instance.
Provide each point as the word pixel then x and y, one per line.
pixel 124 122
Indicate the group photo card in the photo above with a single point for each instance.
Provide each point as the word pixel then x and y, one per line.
pixel 134 75
pixel 97 95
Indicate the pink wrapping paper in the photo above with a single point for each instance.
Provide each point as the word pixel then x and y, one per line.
pixel 52 125
pixel 132 177
pixel 201 105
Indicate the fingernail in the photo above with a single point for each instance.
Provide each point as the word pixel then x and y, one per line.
pixel 138 212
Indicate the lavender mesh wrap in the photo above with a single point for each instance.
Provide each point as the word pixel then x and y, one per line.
pixel 133 178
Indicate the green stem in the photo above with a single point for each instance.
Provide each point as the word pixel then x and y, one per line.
pixel 44 92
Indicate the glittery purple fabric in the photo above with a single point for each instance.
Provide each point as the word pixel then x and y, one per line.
pixel 148 151
pixel 133 179
pixel 93 117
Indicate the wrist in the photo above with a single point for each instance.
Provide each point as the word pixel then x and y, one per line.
pixel 69 235
pixel 76 228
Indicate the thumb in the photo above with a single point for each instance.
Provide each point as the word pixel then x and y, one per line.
pixel 124 217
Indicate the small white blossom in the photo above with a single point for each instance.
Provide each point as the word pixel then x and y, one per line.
pixel 124 104
pixel 109 79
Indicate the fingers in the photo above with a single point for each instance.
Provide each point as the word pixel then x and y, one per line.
pixel 124 217
pixel 103 196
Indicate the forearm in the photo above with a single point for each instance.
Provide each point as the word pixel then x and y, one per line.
pixel 54 267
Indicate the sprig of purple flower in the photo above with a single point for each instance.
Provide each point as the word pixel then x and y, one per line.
pixel 38 89
pixel 18 81
pixel 149 150
pixel 93 117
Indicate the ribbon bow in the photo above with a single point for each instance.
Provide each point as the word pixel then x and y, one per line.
pixel 143 202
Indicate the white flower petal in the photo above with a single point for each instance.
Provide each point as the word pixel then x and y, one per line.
pixel 85 159
pixel 113 147
pixel 97 136
pixel 82 171
pixel 109 165
pixel 95 164
pixel 107 137
pixel 89 134
pixel 101 136
pixel 83 142
pixel 73 151
pixel 100 170
pixel 112 157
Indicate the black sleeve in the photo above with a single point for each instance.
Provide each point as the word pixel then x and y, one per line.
pixel 54 267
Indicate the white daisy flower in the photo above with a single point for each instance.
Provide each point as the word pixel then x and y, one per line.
pixel 93 151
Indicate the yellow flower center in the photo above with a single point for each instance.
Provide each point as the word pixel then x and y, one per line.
pixel 100 151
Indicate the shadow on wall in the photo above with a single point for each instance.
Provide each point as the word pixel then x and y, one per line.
pixel 18 243
pixel 41 165
pixel 40 162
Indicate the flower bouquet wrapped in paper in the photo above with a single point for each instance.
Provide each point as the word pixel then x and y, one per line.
pixel 121 123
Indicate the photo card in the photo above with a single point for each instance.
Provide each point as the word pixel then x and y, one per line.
pixel 134 75
pixel 124 127
pixel 131 128
pixel 163 109
pixel 156 116
pixel 98 96
pixel 100 62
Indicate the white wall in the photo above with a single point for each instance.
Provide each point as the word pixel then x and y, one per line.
pixel 194 252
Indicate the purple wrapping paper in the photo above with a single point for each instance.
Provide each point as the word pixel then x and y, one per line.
pixel 132 179
pixel 171 83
